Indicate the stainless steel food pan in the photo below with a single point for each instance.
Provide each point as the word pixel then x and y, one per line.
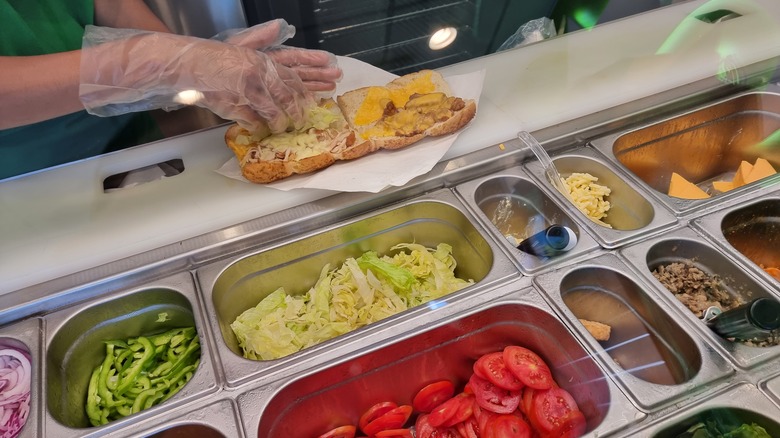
pixel 74 347
pixel 772 387
pixel 26 336
pixel 215 420
pixel 703 145
pixel 752 229
pixel 321 399
pixel 233 286
pixel 687 245
pixel 510 203
pixel 651 352
pixel 633 214
pixel 742 403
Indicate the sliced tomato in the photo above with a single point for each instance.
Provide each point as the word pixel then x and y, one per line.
pixel 551 408
pixel 393 419
pixel 482 416
pixel 492 367
pixel 340 432
pixel 422 427
pixel 494 399
pixel 395 433
pixel 526 404
pixel 572 426
pixel 443 412
pixel 478 371
pixel 433 395
pixel 464 412
pixel 528 367
pixel 446 432
pixel 375 412
pixel 461 428
pixel 468 428
pixel 506 426
pixel 452 411
pixel 519 414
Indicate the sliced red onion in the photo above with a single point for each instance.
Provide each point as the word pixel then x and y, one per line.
pixel 15 373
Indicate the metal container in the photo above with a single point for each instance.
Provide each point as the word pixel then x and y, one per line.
pixel 651 354
pixel 771 386
pixel 742 403
pixel 321 399
pixel 26 336
pixel 216 420
pixel 509 202
pixel 633 214
pixel 234 285
pixel 685 245
pixel 74 347
pixel 752 229
pixel 660 369
pixel 703 145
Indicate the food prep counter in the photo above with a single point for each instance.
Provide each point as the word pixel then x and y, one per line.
pixel 81 266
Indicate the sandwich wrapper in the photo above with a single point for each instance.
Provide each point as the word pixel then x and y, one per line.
pixel 381 169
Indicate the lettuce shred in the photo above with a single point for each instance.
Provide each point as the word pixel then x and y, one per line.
pixel 357 293
pixel 717 429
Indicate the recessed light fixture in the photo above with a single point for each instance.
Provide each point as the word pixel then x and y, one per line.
pixel 442 38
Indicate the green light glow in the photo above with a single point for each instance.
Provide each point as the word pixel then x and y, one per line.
pixel 587 18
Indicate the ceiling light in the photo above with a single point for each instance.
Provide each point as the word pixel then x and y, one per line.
pixel 442 38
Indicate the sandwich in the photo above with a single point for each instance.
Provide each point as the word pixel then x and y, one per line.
pixel 357 123
pixel 324 139
pixel 406 110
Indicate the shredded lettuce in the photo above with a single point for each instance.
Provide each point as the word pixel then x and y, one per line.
pixel 715 428
pixel 359 292
pixel 401 278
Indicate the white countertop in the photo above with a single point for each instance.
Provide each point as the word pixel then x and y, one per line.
pixel 60 222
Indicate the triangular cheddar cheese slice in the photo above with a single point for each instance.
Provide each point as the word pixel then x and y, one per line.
pixel 742 173
pixel 680 187
pixel 722 186
pixel 761 169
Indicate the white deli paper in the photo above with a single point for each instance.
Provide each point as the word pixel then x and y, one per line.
pixel 381 169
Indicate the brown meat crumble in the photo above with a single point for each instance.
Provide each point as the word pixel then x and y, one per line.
pixel 695 288
pixel 699 290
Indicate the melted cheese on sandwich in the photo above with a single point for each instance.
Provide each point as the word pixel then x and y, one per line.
pixel 317 134
pixel 374 104
pixel 420 113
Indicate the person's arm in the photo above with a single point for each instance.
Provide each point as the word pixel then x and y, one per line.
pixel 127 14
pixel 121 69
pixel 37 88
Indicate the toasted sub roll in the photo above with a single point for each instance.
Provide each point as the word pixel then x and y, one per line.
pixel 360 122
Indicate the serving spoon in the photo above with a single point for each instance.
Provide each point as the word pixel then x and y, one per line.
pixel 550 171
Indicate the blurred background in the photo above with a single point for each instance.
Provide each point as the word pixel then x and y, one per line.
pixel 399 36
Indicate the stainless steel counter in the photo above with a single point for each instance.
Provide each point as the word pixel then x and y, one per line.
pixel 60 222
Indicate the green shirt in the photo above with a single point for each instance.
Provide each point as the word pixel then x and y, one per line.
pixel 38 27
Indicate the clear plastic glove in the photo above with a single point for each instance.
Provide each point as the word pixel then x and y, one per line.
pixel 126 70
pixel 318 69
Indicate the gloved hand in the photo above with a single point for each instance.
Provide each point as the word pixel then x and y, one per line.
pixel 318 69
pixel 128 70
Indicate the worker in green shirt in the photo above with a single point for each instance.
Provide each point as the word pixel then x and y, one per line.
pixel 77 75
